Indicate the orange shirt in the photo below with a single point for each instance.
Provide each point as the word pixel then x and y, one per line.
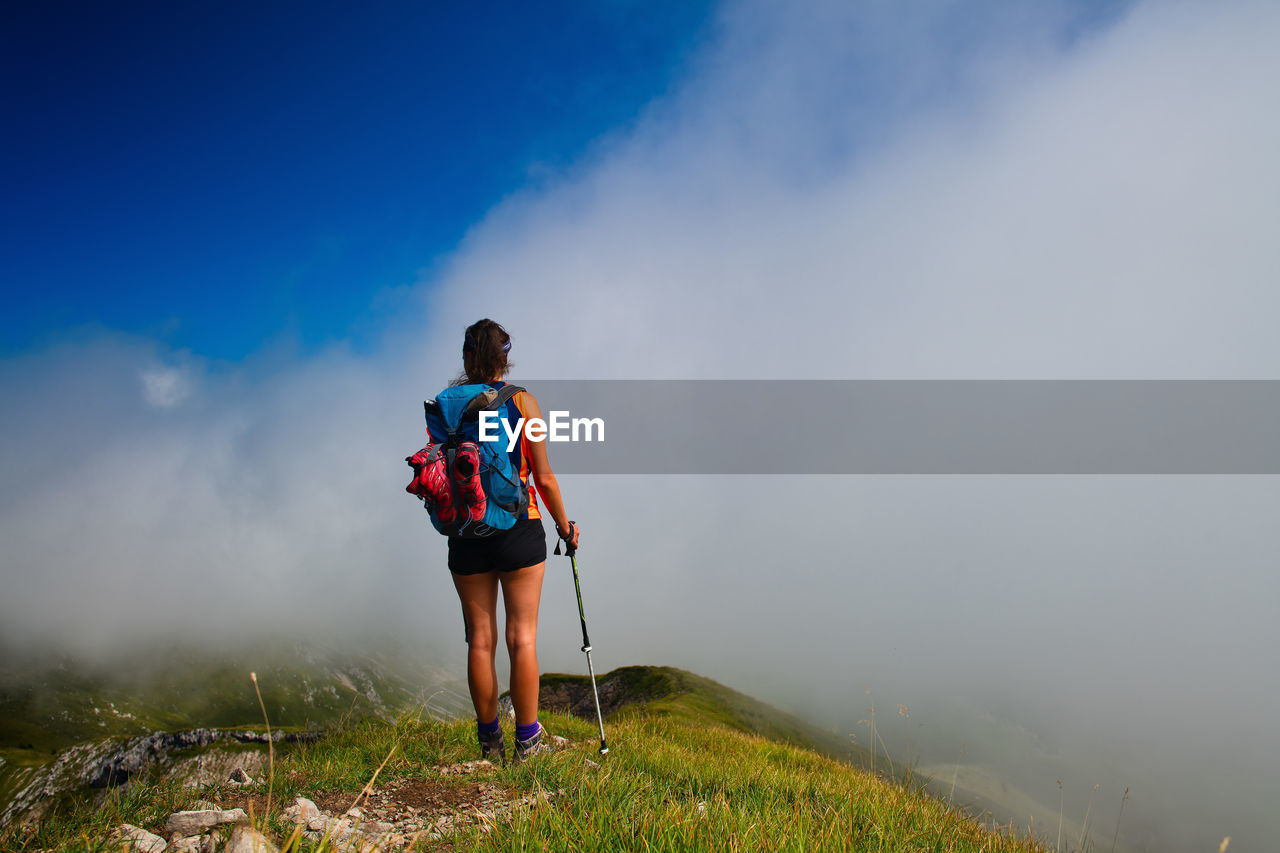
pixel 521 401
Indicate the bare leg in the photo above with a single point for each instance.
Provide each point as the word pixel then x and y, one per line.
pixel 521 594
pixel 479 596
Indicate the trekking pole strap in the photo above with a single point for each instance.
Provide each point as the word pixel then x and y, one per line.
pixel 569 547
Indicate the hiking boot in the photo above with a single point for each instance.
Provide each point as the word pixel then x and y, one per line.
pixel 466 473
pixel 431 483
pixel 493 744
pixel 543 743
pixel 416 461
pixel 532 748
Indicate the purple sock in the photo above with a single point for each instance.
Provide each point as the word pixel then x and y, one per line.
pixel 483 729
pixel 526 732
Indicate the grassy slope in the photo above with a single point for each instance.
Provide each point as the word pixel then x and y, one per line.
pixel 684 773
pixel 676 692
pixel 702 767
pixel 696 787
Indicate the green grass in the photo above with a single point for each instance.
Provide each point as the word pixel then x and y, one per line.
pixel 674 782
pixel 687 770
pixel 676 692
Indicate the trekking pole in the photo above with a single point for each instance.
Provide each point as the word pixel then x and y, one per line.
pixel 586 642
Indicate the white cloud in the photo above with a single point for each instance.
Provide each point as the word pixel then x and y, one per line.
pixel 1094 212
pixel 164 387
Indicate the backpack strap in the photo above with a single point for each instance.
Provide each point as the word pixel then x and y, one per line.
pixel 505 393
pixel 478 402
pixel 489 400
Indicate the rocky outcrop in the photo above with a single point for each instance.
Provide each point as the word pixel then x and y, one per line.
pixel 148 751
pixel 573 696
pixel 232 765
pixel 114 761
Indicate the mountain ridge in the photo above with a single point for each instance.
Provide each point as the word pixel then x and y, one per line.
pixel 690 768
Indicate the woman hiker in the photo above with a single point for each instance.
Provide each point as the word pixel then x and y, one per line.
pixel 512 560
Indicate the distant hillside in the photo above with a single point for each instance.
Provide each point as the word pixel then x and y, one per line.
pixel 49 703
pixel 667 691
pixel 53 703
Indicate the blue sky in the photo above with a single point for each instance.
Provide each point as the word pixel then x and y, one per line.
pixel 218 175
pixel 217 178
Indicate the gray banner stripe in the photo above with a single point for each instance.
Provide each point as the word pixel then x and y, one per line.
pixel 918 427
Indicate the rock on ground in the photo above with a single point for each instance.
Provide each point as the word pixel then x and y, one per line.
pixel 246 839
pixel 138 839
pixel 193 823
pixel 302 811
pixel 238 776
pixel 194 844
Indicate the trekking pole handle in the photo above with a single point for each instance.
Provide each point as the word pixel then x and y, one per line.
pixel 569 548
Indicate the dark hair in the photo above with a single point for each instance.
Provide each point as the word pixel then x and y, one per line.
pixel 484 353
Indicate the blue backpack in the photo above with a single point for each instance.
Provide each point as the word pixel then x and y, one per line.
pixel 484 494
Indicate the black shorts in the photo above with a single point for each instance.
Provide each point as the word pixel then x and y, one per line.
pixel 525 544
